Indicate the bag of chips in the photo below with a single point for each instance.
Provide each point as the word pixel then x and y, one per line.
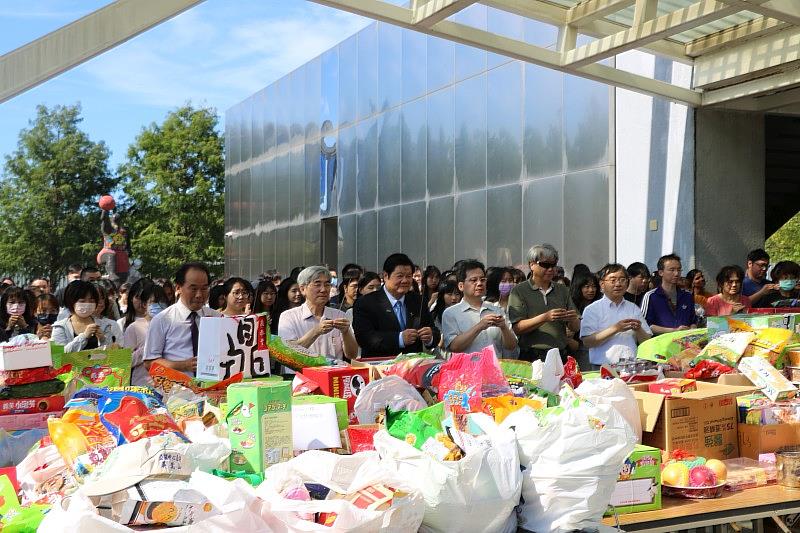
pixel 769 344
pixel 130 416
pixel 726 349
pixel 293 356
pixel 420 372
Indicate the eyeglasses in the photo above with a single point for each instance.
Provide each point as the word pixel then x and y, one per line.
pixel 240 294
pixel 476 280
pixel 545 265
pixel 616 281
pixel 761 265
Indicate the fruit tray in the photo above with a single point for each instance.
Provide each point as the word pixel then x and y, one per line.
pixel 695 493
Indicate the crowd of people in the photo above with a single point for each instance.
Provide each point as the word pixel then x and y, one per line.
pixel 597 317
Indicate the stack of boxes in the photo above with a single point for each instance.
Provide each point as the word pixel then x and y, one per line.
pixel 29 390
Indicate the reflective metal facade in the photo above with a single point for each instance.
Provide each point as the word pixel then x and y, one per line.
pixel 421 145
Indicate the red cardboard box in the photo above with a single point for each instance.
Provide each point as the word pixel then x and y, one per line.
pixel 340 382
pixel 670 386
pixel 24 406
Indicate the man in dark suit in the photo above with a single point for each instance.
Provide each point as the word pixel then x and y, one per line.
pixel 394 319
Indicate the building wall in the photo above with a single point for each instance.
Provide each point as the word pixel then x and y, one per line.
pixel 444 152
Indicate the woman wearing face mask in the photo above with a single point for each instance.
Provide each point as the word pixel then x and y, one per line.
pixel 499 282
pixel 153 300
pixel 16 313
pixel 786 274
pixel 81 330
pixel 46 315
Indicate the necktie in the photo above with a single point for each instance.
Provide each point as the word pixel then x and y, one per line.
pixel 195 331
pixel 401 314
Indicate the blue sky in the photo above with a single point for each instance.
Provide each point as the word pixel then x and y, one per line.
pixel 215 54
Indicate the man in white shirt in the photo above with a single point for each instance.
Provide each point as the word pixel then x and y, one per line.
pixel 472 324
pixel 173 334
pixel 612 320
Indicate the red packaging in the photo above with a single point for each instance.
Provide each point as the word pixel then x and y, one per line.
pixel 340 382
pixel 361 437
pixel 23 406
pixel 11 472
pixel 670 386
pixel 29 421
pixel 31 375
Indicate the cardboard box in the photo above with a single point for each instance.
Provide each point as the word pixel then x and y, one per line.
pixel 168 503
pixel 703 422
pixel 23 406
pixel 25 356
pixel 638 487
pixel 718 325
pixel 259 424
pixel 339 403
pixel 229 345
pixel 340 382
pixel 670 386
pixel 755 440
pixel 377 366
pixel 28 421
pixel 767 378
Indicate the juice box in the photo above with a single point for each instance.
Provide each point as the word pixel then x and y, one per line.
pixel 340 382
pixel 639 483
pixel 259 424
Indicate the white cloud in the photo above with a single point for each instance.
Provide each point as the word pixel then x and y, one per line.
pixel 218 55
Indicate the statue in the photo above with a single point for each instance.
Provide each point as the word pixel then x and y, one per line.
pixel 114 256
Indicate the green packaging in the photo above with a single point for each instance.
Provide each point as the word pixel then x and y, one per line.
pixel 339 403
pixel 259 424
pixel 718 325
pixel 639 483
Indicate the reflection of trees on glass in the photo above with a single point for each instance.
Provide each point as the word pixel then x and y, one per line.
pixel 414 147
pixel 543 152
pixel 503 157
pixel 587 143
pixel 441 161
pixel 471 157
pixel 389 158
pixel 367 164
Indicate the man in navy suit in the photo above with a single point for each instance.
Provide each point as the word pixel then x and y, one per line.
pixel 395 319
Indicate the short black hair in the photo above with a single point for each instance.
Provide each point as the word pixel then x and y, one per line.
pixel 759 254
pixel 227 287
pixel 638 269
pixel 154 291
pixel 612 268
pixel 466 266
pixel 75 268
pixel 352 266
pixel 88 270
pixel 782 268
pixel 662 261
pixel 79 289
pixel 726 272
pixel 180 275
pixel 396 260
pixel 366 279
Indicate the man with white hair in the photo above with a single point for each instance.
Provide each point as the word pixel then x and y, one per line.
pixel 321 329
pixel 541 310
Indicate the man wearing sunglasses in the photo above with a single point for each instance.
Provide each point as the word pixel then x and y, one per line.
pixel 539 309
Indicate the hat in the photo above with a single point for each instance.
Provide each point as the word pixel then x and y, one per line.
pixel 129 464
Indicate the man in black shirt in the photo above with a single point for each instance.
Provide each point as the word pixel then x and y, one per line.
pixel 639 276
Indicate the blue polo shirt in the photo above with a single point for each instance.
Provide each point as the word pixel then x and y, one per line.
pixel 657 309
pixel 751 286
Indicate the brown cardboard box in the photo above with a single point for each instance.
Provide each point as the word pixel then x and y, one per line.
pixel 754 440
pixel 703 422
pixel 377 366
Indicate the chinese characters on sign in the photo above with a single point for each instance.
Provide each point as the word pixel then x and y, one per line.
pixel 229 345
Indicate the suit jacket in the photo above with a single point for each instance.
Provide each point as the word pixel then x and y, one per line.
pixel 377 329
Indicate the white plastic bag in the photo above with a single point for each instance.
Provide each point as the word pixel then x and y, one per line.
pixel 344 474
pixel 476 494
pixel 391 391
pixel 571 464
pixel 614 392
pixel 552 370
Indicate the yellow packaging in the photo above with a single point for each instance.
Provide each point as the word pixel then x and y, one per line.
pixel 769 344
pixel 502 406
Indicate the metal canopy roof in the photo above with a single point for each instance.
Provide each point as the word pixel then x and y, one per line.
pixel 745 53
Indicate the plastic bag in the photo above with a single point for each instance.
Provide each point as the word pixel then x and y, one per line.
pixel 343 474
pixel 572 459
pixel 476 494
pixel 614 392
pixel 44 477
pixel 80 436
pixel 420 372
pixel 502 406
pixel 661 347
pixel 467 378
pixel 572 374
pixel 390 391
pixel 98 368
pixel 727 348
pixel 769 344
pixel 552 371
pixel 13 448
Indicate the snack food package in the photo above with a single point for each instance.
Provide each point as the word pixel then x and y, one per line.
pixel 501 406
pixel 417 427
pixel 44 477
pixel 419 372
pixel 81 438
pixel 32 390
pixel 165 378
pixel 726 348
pixel 98 368
pixel 707 369
pixel 345 476
pixel 390 391
pixel 466 379
pixel 766 377
pixel 476 494
pixel 130 416
pixel 166 503
pixel 24 406
pixel 769 344
pixel 292 355
pixel 31 375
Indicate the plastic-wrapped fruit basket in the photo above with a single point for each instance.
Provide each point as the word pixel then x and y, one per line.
pixel 695 493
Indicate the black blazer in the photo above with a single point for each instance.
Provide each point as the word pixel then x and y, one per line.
pixel 377 329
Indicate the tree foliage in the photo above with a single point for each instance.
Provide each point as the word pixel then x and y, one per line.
pixel 174 183
pixel 784 244
pixel 48 194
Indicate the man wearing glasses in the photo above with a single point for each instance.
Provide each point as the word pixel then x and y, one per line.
pixel 473 324
pixel 755 284
pixel 541 310
pixel 612 320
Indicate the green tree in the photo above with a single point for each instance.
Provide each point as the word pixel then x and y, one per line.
pixel 174 182
pixel 48 194
pixel 784 244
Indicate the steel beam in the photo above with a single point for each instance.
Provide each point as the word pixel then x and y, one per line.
pixel 735 35
pixel 785 10
pixel 590 10
pixel 429 12
pixel 79 41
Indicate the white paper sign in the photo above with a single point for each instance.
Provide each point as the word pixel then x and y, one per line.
pixel 315 427
pixel 229 345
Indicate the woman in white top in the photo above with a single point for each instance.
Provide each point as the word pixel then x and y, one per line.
pixel 135 308
pixel 153 300
pixel 105 312
pixel 81 330
pixel 238 294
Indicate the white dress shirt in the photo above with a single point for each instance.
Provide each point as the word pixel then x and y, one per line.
pixel 296 322
pixel 462 317
pixel 604 313
pixel 170 333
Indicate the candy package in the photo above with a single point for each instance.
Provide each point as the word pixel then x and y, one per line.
pixel 467 378
pixel 572 374
pixel 769 344
pixel 165 378
pixel 707 369
pixel 31 375
pixel 80 436
pixel 32 390
pixel 98 368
